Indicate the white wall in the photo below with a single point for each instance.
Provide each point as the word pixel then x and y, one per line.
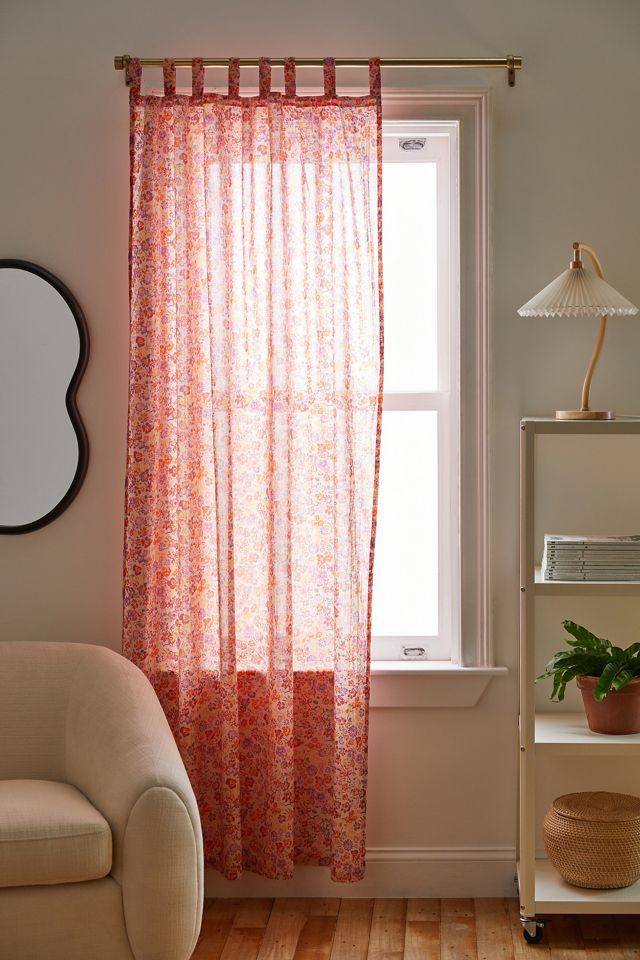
pixel 566 143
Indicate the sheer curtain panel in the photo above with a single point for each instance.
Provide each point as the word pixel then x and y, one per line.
pixel 254 423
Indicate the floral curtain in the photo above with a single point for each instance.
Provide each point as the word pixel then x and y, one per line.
pixel 254 423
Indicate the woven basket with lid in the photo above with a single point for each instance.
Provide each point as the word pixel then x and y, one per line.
pixel 593 839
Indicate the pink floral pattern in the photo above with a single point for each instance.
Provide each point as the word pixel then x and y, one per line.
pixel 254 419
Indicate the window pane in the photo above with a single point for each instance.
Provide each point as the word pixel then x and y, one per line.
pixel 405 583
pixel 410 270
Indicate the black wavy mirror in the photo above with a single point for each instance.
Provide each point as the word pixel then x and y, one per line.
pixel 44 347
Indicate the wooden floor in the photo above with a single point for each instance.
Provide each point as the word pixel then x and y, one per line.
pixel 325 929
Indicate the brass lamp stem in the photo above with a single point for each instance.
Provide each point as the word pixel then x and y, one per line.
pixel 585 412
pixel 586 387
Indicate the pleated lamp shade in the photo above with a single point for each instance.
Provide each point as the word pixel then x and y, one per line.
pixel 578 293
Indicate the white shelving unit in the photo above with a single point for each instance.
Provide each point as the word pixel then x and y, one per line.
pixel 541 889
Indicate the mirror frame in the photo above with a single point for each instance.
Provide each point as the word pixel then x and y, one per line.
pixel 70 396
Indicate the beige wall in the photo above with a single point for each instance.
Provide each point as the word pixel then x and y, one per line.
pixel 566 144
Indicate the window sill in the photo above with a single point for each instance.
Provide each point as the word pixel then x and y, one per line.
pixel 436 683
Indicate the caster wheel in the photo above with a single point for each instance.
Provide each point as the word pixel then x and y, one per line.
pixel 533 937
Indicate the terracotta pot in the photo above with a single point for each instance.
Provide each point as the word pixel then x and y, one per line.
pixel 618 713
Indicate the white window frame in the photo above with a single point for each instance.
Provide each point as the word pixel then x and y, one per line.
pixel 441 148
pixel 472 655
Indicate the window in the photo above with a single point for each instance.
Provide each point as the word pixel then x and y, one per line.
pixel 416 600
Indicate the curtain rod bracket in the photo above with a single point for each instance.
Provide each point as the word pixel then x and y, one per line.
pixel 511 63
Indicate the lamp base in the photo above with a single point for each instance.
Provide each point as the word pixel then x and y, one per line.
pixel 585 415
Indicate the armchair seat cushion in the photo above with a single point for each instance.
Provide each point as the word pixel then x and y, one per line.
pixel 50 833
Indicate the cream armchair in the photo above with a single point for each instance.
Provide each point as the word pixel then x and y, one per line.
pixel 100 840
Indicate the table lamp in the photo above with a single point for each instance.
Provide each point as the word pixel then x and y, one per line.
pixel 579 292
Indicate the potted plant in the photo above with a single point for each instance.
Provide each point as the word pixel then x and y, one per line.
pixel 608 678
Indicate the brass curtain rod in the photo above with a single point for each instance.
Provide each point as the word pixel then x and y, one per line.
pixel 510 63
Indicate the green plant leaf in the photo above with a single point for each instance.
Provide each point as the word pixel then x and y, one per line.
pixel 561 680
pixel 583 663
pixel 556 663
pixel 577 665
pixel 559 662
pixel 558 688
pixel 623 678
pixel 603 685
pixel 585 638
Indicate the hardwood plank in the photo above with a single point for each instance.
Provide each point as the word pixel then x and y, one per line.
pixel 217 921
pixel 456 909
pixel 601 936
pixel 253 913
pixel 629 934
pixel 322 906
pixel 316 938
pixel 353 927
pixel 493 929
pixel 281 934
pixel 223 908
pixel 458 930
pixel 386 941
pixel 603 950
pixel 422 940
pixel 423 909
pixel 243 943
pixel 521 949
pixel 598 927
pixel 565 939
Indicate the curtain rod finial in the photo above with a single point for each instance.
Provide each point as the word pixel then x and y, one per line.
pixel 122 63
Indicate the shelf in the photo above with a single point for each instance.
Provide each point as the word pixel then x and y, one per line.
pixel 553 895
pixel 568 733
pixel 622 424
pixel 584 588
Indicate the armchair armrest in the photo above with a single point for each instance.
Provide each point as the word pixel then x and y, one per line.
pixel 121 754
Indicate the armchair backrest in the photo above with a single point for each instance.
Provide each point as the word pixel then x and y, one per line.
pixel 40 684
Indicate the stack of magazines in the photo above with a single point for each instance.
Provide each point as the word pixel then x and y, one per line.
pixel 575 557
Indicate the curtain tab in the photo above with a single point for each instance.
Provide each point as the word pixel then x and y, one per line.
pixel 234 77
pixel 375 84
pixel 169 74
pixel 197 78
pixel 290 77
pixel 329 69
pixel 264 73
pixel 135 76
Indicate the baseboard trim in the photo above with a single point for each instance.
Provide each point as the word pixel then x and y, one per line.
pixel 439 854
pixel 391 872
